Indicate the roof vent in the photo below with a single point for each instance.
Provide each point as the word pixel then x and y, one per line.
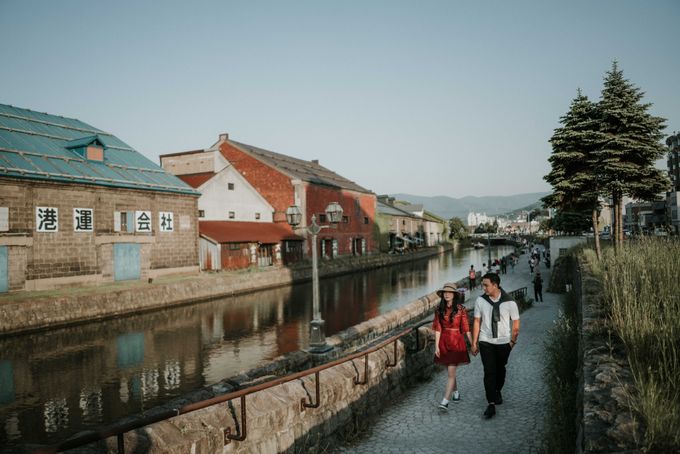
pixel 315 161
pixel 90 147
pixel 224 136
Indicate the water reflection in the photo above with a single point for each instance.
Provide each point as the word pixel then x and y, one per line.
pixel 56 383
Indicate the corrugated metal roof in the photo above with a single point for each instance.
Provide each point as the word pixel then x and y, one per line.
pixel 40 146
pixel 391 210
pixel 304 170
pixel 245 232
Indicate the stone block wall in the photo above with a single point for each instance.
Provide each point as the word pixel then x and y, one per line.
pixel 605 419
pixel 276 421
pixel 68 257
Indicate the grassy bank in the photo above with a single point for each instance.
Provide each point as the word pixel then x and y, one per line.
pixel 642 298
pixel 561 349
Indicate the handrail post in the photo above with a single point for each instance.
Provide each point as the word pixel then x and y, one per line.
pixel 365 380
pixel 121 443
pixel 389 363
pixel 244 432
pixel 318 395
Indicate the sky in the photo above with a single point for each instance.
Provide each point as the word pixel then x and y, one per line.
pixel 427 97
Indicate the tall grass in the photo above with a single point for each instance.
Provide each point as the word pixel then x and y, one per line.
pixel 642 295
pixel 561 350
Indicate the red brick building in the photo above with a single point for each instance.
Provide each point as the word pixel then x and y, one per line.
pixel 284 181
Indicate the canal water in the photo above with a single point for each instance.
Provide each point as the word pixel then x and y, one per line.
pixel 56 383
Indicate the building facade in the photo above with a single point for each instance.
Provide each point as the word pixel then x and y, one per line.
pixel 78 205
pixel 236 225
pixel 397 230
pixel 283 181
pixel 673 196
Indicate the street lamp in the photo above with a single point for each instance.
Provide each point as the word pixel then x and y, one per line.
pixel 317 336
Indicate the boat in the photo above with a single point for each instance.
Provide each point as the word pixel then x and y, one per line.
pixel 478 245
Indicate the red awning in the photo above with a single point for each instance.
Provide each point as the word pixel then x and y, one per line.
pixel 246 232
pixel 196 179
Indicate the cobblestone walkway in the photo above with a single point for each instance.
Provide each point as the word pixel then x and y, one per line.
pixel 414 424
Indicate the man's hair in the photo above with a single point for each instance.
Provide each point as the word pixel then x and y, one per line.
pixel 493 277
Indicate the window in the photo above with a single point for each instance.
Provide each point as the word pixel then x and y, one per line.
pixel 230 186
pixel 403 222
pixel 345 219
pixel 232 215
pixel 322 218
pixel 365 219
pixel 257 216
pixel 201 213
pixel 124 221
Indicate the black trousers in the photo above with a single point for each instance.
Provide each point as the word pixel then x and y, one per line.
pixel 538 294
pixel 494 359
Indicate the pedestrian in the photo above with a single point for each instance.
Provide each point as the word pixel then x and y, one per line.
pixel 472 276
pixel 493 337
pixel 450 325
pixel 531 265
pixel 513 262
pixel 504 265
pixel 538 287
pixel 485 269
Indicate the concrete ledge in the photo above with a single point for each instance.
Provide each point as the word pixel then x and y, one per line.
pixel 20 314
pixel 16 241
pixel 68 281
pixel 170 271
pixel 109 239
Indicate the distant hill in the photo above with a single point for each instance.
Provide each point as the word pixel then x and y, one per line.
pixel 448 207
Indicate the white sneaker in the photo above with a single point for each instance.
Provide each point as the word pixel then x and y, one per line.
pixel 456 396
pixel 444 404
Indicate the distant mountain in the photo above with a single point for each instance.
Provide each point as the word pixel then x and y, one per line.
pixel 448 207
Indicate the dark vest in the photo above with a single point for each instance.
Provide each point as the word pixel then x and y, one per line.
pixel 496 311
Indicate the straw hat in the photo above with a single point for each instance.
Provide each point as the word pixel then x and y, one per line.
pixel 448 287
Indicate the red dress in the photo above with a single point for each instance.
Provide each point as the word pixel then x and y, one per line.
pixel 452 347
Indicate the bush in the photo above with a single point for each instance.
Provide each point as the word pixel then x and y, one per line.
pixel 642 299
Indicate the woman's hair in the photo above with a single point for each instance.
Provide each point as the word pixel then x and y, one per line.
pixel 458 299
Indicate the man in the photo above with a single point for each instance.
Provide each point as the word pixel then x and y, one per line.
pixel 472 276
pixel 493 337
pixel 538 287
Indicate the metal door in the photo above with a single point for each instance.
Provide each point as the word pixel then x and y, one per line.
pixel 127 263
pixel 4 269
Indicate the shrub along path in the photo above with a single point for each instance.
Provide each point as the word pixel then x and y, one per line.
pixel 415 424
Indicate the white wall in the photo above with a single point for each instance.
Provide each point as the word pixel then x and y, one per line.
pixel 558 243
pixel 217 200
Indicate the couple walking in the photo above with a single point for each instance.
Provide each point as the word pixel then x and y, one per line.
pixel 494 334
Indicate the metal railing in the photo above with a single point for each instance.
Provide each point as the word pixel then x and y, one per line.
pixel 118 430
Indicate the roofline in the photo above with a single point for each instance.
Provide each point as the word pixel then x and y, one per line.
pixel 181 153
pixel 60 180
pixel 296 177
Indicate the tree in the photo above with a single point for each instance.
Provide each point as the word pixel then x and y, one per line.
pixel 457 229
pixel 574 176
pixel 631 145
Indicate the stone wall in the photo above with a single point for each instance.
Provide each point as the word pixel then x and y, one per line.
pixel 45 311
pixel 66 257
pixel 276 421
pixel 606 422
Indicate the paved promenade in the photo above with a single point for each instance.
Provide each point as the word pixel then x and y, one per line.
pixel 414 424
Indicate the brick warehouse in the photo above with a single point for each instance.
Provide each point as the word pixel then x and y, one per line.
pixel 284 181
pixel 77 205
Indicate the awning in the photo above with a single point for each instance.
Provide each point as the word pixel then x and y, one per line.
pixel 247 232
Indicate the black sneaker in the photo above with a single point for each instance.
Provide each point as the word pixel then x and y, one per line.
pixel 490 411
pixel 443 406
pixel 499 398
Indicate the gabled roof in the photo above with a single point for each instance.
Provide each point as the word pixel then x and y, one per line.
pixel 308 171
pixel 433 217
pixel 40 146
pixel 246 232
pixel 391 210
pixel 196 179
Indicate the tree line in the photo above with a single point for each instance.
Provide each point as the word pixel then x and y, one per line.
pixel 605 150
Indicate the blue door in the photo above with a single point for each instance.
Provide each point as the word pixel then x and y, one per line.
pixel 127 263
pixel 4 270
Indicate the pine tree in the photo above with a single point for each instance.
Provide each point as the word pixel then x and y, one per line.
pixel 631 145
pixel 574 176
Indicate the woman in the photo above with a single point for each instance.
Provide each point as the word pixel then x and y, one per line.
pixel 449 325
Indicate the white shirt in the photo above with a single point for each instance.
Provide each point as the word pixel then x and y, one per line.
pixel 509 312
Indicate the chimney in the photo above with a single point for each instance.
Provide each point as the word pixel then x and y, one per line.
pixel 315 161
pixel 224 136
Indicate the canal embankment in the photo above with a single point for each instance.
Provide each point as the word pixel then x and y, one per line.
pixel 33 311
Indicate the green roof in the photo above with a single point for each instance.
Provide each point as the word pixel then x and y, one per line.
pixel 40 146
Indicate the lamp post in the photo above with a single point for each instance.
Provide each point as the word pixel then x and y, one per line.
pixel 317 335
pixel 488 243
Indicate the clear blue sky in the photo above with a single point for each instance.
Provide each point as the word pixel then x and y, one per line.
pixel 426 97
